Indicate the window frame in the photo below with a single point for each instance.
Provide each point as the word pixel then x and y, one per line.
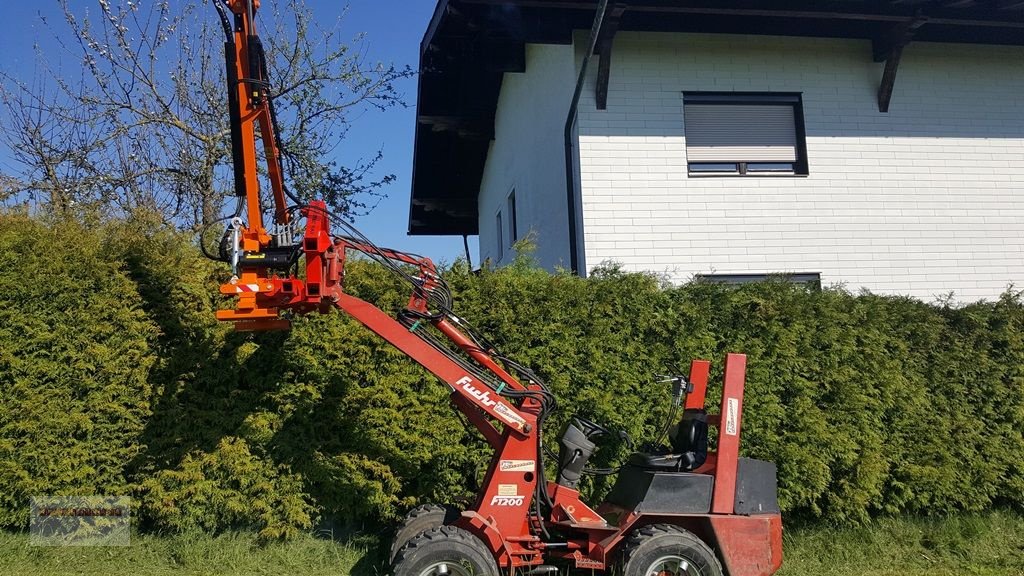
pixel 809 279
pixel 500 234
pixel 513 217
pixel 801 167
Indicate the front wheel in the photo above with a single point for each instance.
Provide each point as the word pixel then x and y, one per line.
pixel 667 550
pixel 421 519
pixel 444 551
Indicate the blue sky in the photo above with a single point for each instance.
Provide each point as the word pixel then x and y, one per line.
pixel 394 29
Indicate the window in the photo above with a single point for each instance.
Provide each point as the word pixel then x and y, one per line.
pixel 500 232
pixel 810 279
pixel 748 134
pixel 513 232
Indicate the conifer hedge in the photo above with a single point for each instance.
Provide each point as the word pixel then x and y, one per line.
pixel 75 357
pixel 115 378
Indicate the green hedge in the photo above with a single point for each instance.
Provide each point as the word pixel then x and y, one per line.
pixel 75 355
pixel 114 377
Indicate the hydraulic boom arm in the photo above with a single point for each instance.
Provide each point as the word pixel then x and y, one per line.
pixel 265 263
pixel 297 266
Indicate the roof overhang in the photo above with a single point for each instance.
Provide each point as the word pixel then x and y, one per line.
pixel 470 45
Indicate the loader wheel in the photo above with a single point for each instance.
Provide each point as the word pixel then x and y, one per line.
pixel 421 519
pixel 667 550
pixel 444 551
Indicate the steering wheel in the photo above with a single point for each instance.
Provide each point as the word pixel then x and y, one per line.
pixel 590 429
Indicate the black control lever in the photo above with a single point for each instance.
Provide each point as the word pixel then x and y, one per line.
pixel 680 386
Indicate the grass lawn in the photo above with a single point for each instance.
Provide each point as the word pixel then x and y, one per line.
pixel 982 545
pixel 978 545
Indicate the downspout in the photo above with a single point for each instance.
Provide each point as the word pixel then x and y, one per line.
pixel 570 122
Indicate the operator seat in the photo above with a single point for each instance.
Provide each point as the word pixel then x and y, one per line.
pixel 662 481
pixel 689 451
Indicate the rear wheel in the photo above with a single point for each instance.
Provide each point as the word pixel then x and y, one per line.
pixel 444 551
pixel 420 519
pixel 667 550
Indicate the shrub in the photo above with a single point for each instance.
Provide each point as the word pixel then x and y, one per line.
pixel 227 488
pixel 868 404
pixel 75 352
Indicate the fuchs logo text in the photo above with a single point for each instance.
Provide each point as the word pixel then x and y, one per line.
pixel 484 397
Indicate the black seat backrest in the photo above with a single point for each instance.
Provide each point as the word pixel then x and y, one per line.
pixel 690 439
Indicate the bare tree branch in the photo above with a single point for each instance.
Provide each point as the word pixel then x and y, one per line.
pixel 144 123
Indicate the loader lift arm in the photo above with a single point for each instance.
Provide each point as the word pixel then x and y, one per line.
pixel 507 412
pixel 519 517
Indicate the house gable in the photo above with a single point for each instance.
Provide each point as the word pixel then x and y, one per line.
pixel 470 45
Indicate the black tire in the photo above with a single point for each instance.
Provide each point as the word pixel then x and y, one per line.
pixel 667 549
pixel 420 519
pixel 444 550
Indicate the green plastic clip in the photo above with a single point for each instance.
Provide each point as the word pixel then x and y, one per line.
pixel 501 386
pixel 415 325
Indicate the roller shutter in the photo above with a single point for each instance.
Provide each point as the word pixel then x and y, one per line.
pixel 740 133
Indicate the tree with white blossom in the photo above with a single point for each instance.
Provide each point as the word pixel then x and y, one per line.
pixel 128 110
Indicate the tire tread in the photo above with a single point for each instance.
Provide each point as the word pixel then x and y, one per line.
pixel 418 515
pixel 642 536
pixel 439 534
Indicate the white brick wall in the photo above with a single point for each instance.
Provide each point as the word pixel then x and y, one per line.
pixel 922 201
pixel 528 154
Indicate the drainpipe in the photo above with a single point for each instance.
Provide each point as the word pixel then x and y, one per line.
pixel 570 122
pixel 465 244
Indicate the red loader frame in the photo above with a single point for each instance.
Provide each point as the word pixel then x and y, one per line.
pixel 505 410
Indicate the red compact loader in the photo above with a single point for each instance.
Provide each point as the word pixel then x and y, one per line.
pixel 680 510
